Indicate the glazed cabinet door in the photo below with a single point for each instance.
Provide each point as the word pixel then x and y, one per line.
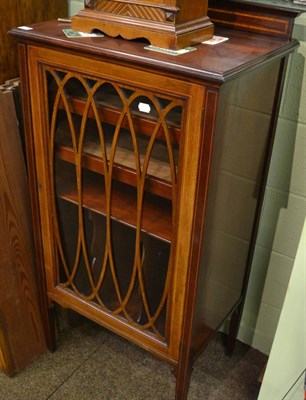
pixel 114 170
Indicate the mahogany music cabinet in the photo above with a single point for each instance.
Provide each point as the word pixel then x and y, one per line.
pixel 147 173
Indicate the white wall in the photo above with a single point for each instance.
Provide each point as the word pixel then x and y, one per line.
pixel 74 6
pixel 284 376
pixel 284 209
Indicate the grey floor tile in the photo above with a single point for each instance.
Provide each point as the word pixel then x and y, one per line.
pixel 93 364
pixel 119 370
pixel 50 370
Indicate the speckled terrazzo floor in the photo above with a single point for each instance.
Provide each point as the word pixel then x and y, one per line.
pixel 94 364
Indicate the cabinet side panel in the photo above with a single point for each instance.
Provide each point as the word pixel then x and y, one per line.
pixel 241 140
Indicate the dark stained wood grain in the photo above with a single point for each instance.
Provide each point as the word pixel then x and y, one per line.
pixel 21 332
pixel 22 12
pixel 253 17
pixel 217 63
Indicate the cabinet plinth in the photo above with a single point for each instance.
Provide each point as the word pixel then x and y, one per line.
pixel 150 173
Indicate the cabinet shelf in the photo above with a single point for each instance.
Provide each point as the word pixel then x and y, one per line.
pixel 110 113
pixel 121 173
pixel 156 219
pixel 158 176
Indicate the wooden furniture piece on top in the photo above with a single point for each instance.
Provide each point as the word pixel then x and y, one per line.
pixel 148 173
pixel 172 24
pixel 22 12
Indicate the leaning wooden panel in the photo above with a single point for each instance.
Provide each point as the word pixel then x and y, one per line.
pixel 21 333
pixel 2 363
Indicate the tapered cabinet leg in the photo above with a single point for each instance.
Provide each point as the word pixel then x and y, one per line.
pixel 53 329
pixel 233 330
pixel 183 377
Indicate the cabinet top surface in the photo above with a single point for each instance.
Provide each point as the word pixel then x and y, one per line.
pixel 217 63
